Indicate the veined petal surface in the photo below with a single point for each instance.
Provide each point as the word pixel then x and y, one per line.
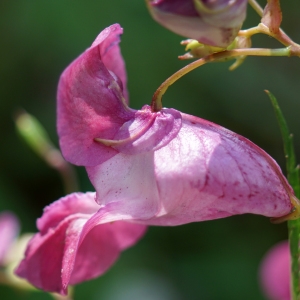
pixel 90 100
pixel 208 172
pixel 205 172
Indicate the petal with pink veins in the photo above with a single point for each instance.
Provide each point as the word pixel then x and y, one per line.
pixel 90 100
pixel 205 172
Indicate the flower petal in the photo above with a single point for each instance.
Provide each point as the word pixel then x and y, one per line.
pixel 55 213
pixel 129 182
pixel 148 131
pixel 111 237
pixel 90 101
pixel 205 172
pixel 77 246
pixel 179 7
pixel 208 172
pixel 108 44
pixel 42 264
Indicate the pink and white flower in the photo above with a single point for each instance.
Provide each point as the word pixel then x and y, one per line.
pixel 148 168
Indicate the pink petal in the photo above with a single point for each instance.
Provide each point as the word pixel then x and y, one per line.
pixel 90 102
pixel 108 42
pixel 42 264
pixel 9 229
pixel 76 245
pixel 111 238
pixel 208 172
pixel 129 182
pixel 205 172
pixel 67 206
pixel 143 133
pixel 275 272
pixel 179 7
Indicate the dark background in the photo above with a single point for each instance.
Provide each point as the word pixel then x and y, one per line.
pixel 209 260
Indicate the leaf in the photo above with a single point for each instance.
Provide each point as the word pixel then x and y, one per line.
pixel 293 178
pixel 292 169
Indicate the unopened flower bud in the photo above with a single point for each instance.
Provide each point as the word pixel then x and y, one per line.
pixel 198 50
pixel 211 22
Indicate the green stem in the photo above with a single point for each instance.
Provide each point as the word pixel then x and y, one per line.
pixel 256 7
pixel 156 104
pixel 293 228
pixel 60 297
pixel 280 36
pixel 293 178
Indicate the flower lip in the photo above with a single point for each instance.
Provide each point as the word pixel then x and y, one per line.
pixel 69 230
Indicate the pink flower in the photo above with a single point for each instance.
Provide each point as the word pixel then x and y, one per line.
pixel 161 168
pixel 77 242
pixel 211 22
pixel 149 168
pixel 275 272
pixel 9 230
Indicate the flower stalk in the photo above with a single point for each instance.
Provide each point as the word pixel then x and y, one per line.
pixel 278 34
pixel 156 104
pixel 256 7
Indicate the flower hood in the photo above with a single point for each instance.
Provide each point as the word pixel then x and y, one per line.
pixel 148 168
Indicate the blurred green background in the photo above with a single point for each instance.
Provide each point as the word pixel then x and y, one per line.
pixel 210 260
